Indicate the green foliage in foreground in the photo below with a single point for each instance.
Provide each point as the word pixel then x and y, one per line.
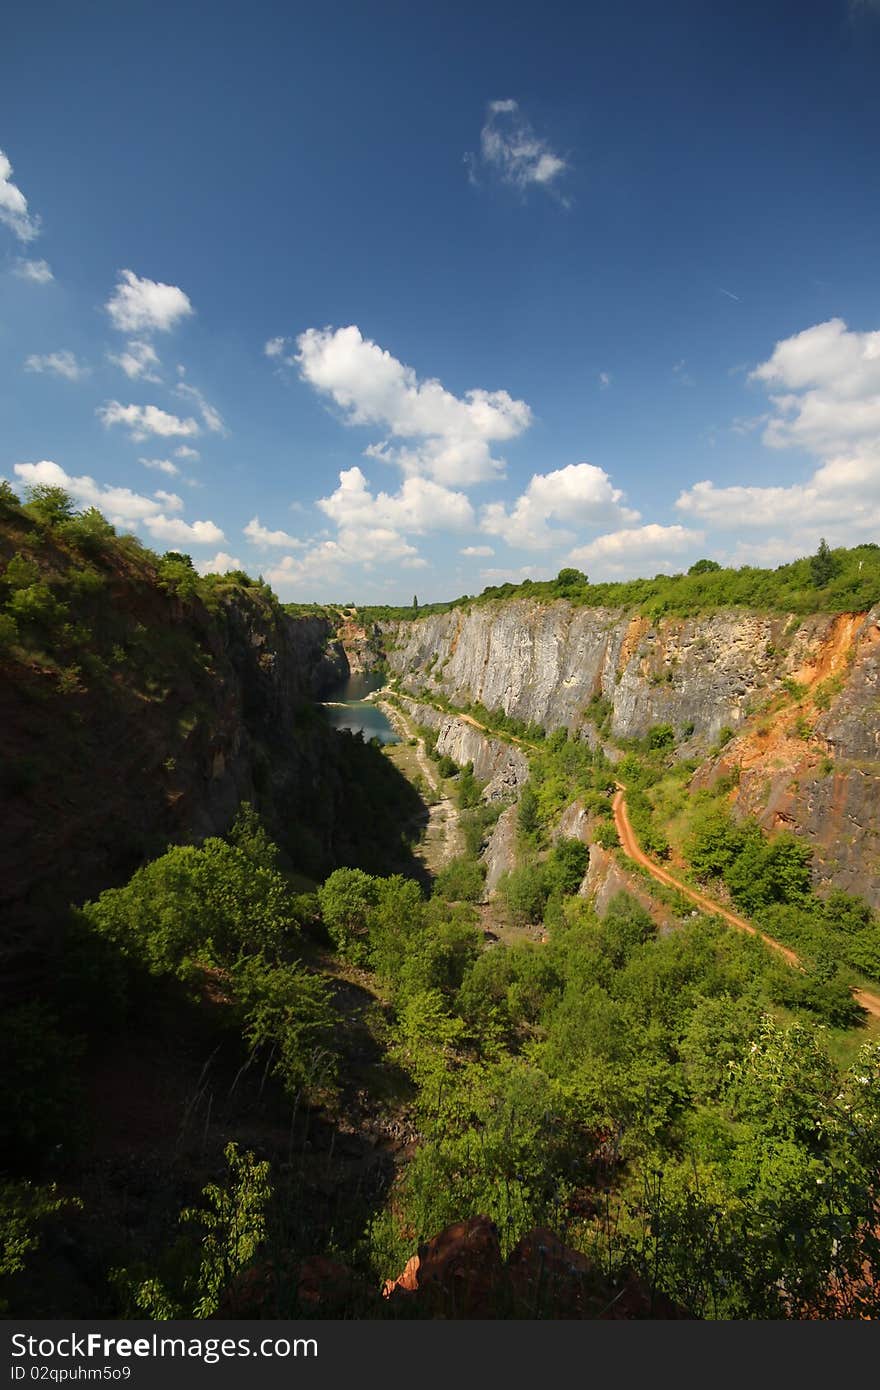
pixel 741 1170
pixel 226 907
pixel 197 1272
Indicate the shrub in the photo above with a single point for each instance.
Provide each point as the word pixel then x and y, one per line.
pixel 461 880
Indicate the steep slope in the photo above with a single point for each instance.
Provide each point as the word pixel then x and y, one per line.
pixel 801 693
pixel 139 705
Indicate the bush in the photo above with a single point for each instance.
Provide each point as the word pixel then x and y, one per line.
pixel 524 891
pixel 461 880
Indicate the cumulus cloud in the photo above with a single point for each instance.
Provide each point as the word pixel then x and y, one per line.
pixel 144 420
pixel 40 272
pixel 636 550
pixel 138 360
pixel 262 536
pixel 483 551
pixel 511 151
pixel 179 532
pixel 580 494
pixel 162 466
pixel 420 505
pixel 452 436
pixel 185 452
pixel 825 384
pixel 843 493
pixel 221 564
pixel 14 211
pixel 145 306
pixel 604 381
pixel 275 347
pixel 121 506
pixel 63 363
pixel 830 389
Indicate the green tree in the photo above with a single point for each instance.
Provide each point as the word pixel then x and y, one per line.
pixel 704 567
pixel 51 505
pixel 9 498
pixel 346 898
pixel 823 565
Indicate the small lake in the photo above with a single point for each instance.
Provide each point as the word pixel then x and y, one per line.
pixel 347 708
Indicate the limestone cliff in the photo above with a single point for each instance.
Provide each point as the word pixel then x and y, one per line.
pixel 812 764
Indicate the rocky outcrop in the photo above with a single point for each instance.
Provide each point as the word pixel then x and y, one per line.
pixel 499 856
pixel 361 643
pixel 813 767
pixel 461 1273
pixel 595 670
pixel 503 767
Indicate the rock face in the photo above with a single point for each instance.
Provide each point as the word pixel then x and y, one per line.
pixel 545 662
pixel 500 765
pixel 557 665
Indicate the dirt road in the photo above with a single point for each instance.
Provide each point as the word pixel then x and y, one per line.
pixel 868 1001
pixel 443 837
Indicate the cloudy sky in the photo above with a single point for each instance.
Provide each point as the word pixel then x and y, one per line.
pixel 381 298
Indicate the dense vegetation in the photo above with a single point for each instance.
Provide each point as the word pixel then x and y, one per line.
pixel 841 580
pixel 197 1093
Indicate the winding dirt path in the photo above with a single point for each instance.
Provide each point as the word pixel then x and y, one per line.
pixel 442 838
pixel 631 847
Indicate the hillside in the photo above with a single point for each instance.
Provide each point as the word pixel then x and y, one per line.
pixel 793 700
pixel 297 1026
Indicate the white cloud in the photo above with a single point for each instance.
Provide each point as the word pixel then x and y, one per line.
pixel 420 505
pixel 262 536
pixel 14 206
pixel 830 400
pixel 828 403
pixel 185 452
pixel 179 532
pixel 139 359
pixel 221 564
pixel 40 272
pixel 513 153
pixel 682 376
pixel 275 347
pixel 212 417
pixel 842 493
pixel 170 500
pixel 63 363
pixel 477 550
pixel 145 306
pixel 636 550
pixel 454 434
pixel 604 381
pixel 144 420
pixel 580 494
pixel 162 466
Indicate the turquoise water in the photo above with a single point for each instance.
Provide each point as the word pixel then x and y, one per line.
pixel 347 709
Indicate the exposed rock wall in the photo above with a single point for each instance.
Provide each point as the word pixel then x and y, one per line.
pixel 546 663
pixel 501 766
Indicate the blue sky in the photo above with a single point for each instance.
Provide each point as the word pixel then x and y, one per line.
pixel 397 298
